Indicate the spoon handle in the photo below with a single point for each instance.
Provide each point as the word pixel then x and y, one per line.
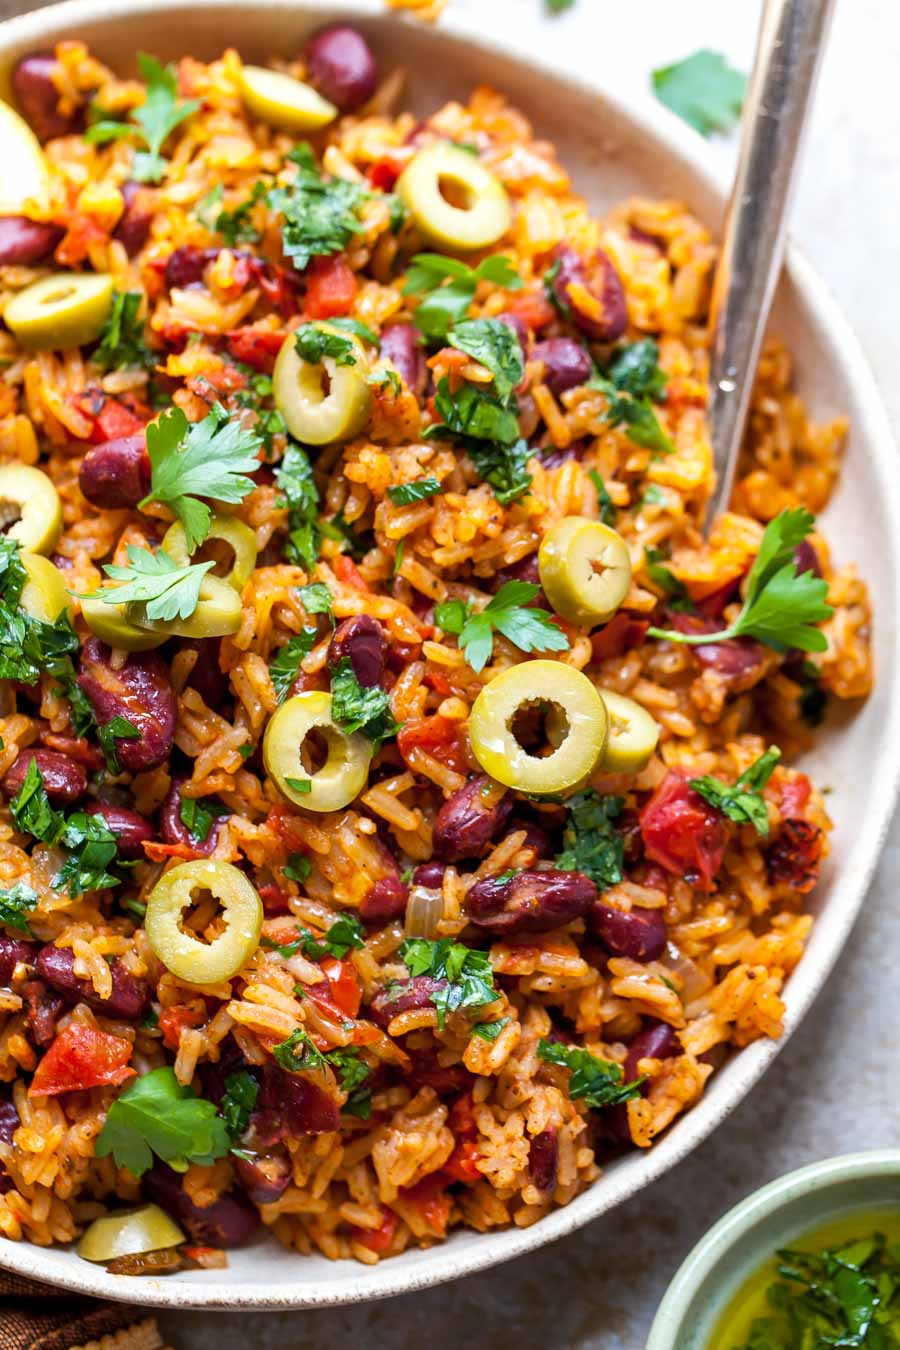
pixel 791 37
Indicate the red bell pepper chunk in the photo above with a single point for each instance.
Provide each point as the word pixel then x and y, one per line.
pixel 682 832
pixel 330 288
pixel 377 1239
pixel 80 1057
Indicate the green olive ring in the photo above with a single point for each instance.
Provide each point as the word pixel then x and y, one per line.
pixel 44 595
pixel 483 219
pixel 577 727
pixel 67 309
pixel 313 415
pixel 633 734
pixel 185 956
pixel 585 570
pixel 30 503
pixel 111 625
pixel 231 531
pixel 218 613
pixel 346 769
pixel 129 1232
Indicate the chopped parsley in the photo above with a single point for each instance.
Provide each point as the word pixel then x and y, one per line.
pixel 608 512
pixel 355 326
pixel 473 414
pixel 241 1092
pixel 313 342
pixel 91 848
pixel 285 666
pixel 665 580
pixel 301 785
pixel 117 727
pixel 742 801
pixel 469 974
pixel 29 646
pixel 345 934
pixel 489 1031
pixel 703 90
pixel 634 370
pixel 357 708
pixel 31 809
pixel 352 1071
pixel 15 903
pixel 294 477
pixel 154 581
pixel 592 845
pixel 158 1115
pixel 157 117
pixel 297 868
pixel 122 343
pixel 236 227
pixel 596 1082
pixel 320 215
pixel 447 287
pixel 316 598
pixel 780 609
pixel 298 1054
pixel 404 494
pixel 509 612
pixel 494 345
pixel 198 815
pixel 632 383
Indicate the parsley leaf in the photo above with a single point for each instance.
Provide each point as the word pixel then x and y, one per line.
pixel 91 847
pixel 285 665
pixel 236 227
pixel 198 814
pixel 294 477
pixel 345 934
pixel 157 117
pixel 592 844
pixel 504 467
pixel 404 494
pixel 122 340
pixel 31 809
pixel 596 1082
pixel 241 1092
pixel 357 708
pixel 355 326
pixel 153 580
pixel 509 612
pixel 781 609
pixel 472 413
pixel 298 1054
pixel 742 801
pixel 494 345
pixel 120 727
pixel 671 586
pixel 634 370
pixel 158 1115
pixel 703 90
pixel 15 903
pixel 316 598
pixel 12 571
pixel 469 974
pixel 489 1031
pixel 319 214
pixel 448 288
pixel 29 646
pixel 312 342
pixel 297 867
pixel 608 512
pixel 352 1071
pixel 207 459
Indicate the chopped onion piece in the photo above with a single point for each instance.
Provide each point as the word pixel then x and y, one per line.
pixel 424 911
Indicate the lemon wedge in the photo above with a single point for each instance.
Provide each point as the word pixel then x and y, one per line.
pixel 24 176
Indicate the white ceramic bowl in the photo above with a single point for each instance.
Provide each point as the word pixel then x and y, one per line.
pixel 611 151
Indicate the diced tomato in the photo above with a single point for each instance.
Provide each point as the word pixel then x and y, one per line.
pixel 462 1117
pixel 377 1239
pixel 342 983
pixel 81 1057
pixel 384 173
pixel 330 288
pixel 116 420
pixel 437 735
pixel 274 899
pixel 82 231
pixel 462 1163
pixel 256 347
pixel 172 1021
pixel 619 636
pixel 346 570
pixel 430 1198
pixel 278 285
pixel 682 832
pixel 158 852
pixel 795 792
pixel 438 682
pixel 532 307
pixel 286 824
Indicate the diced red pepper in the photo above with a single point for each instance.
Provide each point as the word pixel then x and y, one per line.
pixel 377 1239
pixel 286 824
pixel 682 832
pixel 795 792
pixel 532 307
pixel 172 1021
pixel 462 1117
pixel 330 288
pixel 438 682
pixel 430 1198
pixel 437 735
pixel 342 984
pixel 81 1056
pixel 462 1163
pixel 346 570
pixel 256 347
pixel 619 636
pixel 384 173
pixel 274 899
pixel 116 420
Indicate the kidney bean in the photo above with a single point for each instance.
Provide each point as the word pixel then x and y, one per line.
pixel 173 828
pixel 469 819
pixel 519 327
pixel 339 62
pixel 386 899
pixel 9 1123
pixel 132 830
pixel 601 279
pixel 403 996
pixel 552 458
pixel 536 837
pixel 38 99
pixel 12 951
pixel 529 418
pixel 116 473
pixel 228 1222
pixel 529 902
pixel 430 875
pixel 206 675
pixel 291 1104
pixel 130 997
pixel 640 933
pixel 401 345
pixel 140 691
pixel 566 363
pixel 214 1074
pixel 360 641
pixel 806 559
pixel 44 1010
pixel 741 662
pixel 134 224
pixel 23 241
pixel 264 1179
pixel 655 1040
pixel 64 778
pixel 185 265
pixel 543 1156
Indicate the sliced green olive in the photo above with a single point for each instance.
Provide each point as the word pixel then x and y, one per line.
pixel 231 531
pixel 218 613
pixel 128 1233
pixel 185 955
pixel 576 727
pixel 585 570
pixel 633 734
pixel 321 401
pixel 345 771
pixel 281 101
pixel 111 625
pixel 442 175
pixel 44 595
pixel 30 509
pixel 65 310
pixel 24 176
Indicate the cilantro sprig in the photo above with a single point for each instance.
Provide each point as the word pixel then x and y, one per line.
pixel 592 844
pixel 509 612
pixel 447 288
pixel 742 801
pixel 157 1115
pixel 596 1082
pixel 156 582
pixel 153 122
pixel 211 458
pixel 703 90
pixel 468 972
pixel 781 609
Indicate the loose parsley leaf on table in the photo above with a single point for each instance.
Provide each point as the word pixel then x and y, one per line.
pixel 241 1092
pixel 294 477
pixel 122 340
pixel 596 1082
pixel 592 844
pixel 15 903
pixel 285 665
pixel 207 459
pixel 357 708
pixel 158 1115
pixel 742 801
pixel 404 494
pixel 156 118
pixel 320 215
pixel 313 342
pixel 508 612
pixel 780 609
pixel 469 974
pixel 155 581
pixel 448 287
pixel 703 90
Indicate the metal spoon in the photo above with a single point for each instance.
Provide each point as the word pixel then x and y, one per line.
pixel 791 38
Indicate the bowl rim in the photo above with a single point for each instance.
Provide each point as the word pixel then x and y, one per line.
pixel 815 1179
pixel 425 1268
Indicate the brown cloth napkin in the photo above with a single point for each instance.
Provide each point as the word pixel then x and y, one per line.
pixel 38 1317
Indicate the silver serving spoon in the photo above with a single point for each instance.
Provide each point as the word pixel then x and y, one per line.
pixel 791 38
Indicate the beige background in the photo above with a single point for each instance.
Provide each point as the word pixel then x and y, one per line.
pixel 834 1088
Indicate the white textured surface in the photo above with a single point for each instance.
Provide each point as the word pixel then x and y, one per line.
pixel 832 1090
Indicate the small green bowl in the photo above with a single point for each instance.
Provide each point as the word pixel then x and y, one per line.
pixel 748 1235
